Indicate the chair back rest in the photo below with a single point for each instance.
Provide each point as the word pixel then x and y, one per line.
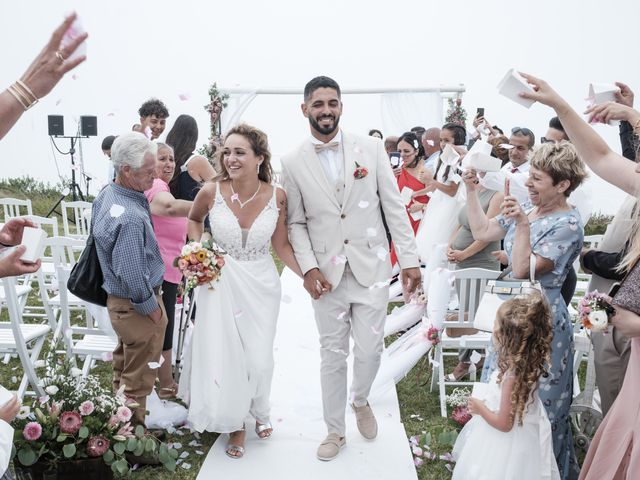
pixel 470 284
pixel 76 218
pixel 63 250
pixel 14 207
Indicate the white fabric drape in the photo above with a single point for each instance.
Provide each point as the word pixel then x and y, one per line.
pixel 400 112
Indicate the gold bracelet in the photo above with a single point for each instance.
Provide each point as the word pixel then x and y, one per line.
pixel 28 90
pixel 17 97
pixel 25 92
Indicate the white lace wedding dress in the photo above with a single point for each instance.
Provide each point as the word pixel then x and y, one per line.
pixel 229 366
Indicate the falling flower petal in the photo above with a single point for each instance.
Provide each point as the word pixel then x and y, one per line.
pixel 184 97
pixel 184 454
pixel 107 356
pixel 449 467
pixel 417 451
pixel 177 445
pixel 418 461
pixel 339 259
pixel 371 232
pixel 238 313
pixel 342 315
pixel 74 76
pixel 58 101
pixel 14 379
pixel 110 114
pixel 506 146
pixel 475 357
pixel 194 443
pixel 380 284
pixel 430 143
pixel 199 452
pixel 363 204
pixel 186 466
pixel 116 210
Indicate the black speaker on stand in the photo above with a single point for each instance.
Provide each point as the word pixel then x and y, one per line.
pixel 88 128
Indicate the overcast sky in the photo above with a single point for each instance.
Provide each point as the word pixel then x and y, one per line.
pixel 139 49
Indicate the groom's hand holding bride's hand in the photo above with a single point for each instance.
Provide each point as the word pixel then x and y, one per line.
pixel 316 284
pixel 411 278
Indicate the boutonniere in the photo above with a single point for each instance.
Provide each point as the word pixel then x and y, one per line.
pixel 360 172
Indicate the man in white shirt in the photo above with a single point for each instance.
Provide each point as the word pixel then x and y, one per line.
pixel 516 169
pixel 431 143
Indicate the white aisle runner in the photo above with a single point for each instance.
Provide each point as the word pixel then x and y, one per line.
pixel 296 415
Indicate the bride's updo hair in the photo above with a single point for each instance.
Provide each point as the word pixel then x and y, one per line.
pixel 259 145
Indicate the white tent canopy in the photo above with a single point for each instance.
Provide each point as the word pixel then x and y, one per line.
pixel 392 110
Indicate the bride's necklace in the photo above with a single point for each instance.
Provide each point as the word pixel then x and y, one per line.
pixel 236 198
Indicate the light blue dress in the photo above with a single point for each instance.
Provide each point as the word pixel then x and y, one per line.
pixel 557 237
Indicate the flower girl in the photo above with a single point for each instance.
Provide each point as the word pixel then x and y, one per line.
pixel 509 435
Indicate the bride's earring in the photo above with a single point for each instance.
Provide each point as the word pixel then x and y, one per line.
pixel 258 168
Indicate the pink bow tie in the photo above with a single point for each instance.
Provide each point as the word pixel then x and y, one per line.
pixel 320 147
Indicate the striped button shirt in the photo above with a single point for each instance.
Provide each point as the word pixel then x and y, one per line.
pixel 127 248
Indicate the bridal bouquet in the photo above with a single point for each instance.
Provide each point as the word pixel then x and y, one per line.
pixel 594 311
pixel 200 263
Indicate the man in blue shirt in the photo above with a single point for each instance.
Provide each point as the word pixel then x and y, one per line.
pixel 132 267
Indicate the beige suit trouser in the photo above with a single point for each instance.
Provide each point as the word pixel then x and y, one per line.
pixel 139 342
pixel 359 311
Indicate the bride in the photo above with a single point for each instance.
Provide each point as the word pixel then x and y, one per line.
pixel 229 367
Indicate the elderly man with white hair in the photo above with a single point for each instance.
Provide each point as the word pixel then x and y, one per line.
pixel 132 267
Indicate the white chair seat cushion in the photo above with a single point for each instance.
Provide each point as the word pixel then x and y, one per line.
pixel 92 344
pixel 21 291
pixel 477 340
pixel 30 331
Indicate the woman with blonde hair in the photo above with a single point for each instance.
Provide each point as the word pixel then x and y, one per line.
pixel 552 231
pixel 614 452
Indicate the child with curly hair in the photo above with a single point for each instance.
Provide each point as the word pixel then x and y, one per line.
pixel 509 435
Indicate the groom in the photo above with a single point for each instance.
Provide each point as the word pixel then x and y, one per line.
pixel 336 183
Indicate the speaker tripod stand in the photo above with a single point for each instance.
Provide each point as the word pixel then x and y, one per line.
pixel 73 188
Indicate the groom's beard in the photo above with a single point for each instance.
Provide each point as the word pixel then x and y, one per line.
pixel 324 130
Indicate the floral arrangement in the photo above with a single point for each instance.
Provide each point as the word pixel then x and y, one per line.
pixel 214 108
pixel 433 335
pixel 360 172
pixel 80 419
pixel 594 311
pixel 456 112
pixel 200 263
pixel 458 400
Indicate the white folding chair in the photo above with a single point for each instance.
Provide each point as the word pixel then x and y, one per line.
pixel 24 339
pixel 63 256
pixel 14 207
pixel 471 284
pixel 76 218
pixel 591 241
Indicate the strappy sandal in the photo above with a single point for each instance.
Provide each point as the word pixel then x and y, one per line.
pixel 168 393
pixel 234 451
pixel 261 430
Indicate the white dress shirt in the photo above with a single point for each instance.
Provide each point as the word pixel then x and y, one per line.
pixel 431 161
pixel 517 180
pixel 332 161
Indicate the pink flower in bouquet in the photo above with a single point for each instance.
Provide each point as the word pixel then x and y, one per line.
pixel 113 421
pixel 55 408
pixel 86 408
pixel 70 422
pixel 433 335
pixel 123 414
pixel 220 262
pixel 32 431
pixel 193 259
pixel 182 264
pixel 97 446
pixel 461 415
pixel 126 430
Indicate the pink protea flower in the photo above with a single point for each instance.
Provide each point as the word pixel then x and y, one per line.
pixel 123 414
pixel 461 415
pixel 86 408
pixel 126 430
pixel 70 422
pixel 32 431
pixel 97 446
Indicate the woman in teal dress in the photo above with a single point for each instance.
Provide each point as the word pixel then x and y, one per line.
pixel 552 230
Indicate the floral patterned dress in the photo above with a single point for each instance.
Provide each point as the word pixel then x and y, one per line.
pixel 557 237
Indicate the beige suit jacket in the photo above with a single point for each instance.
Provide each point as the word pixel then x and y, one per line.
pixel 323 233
